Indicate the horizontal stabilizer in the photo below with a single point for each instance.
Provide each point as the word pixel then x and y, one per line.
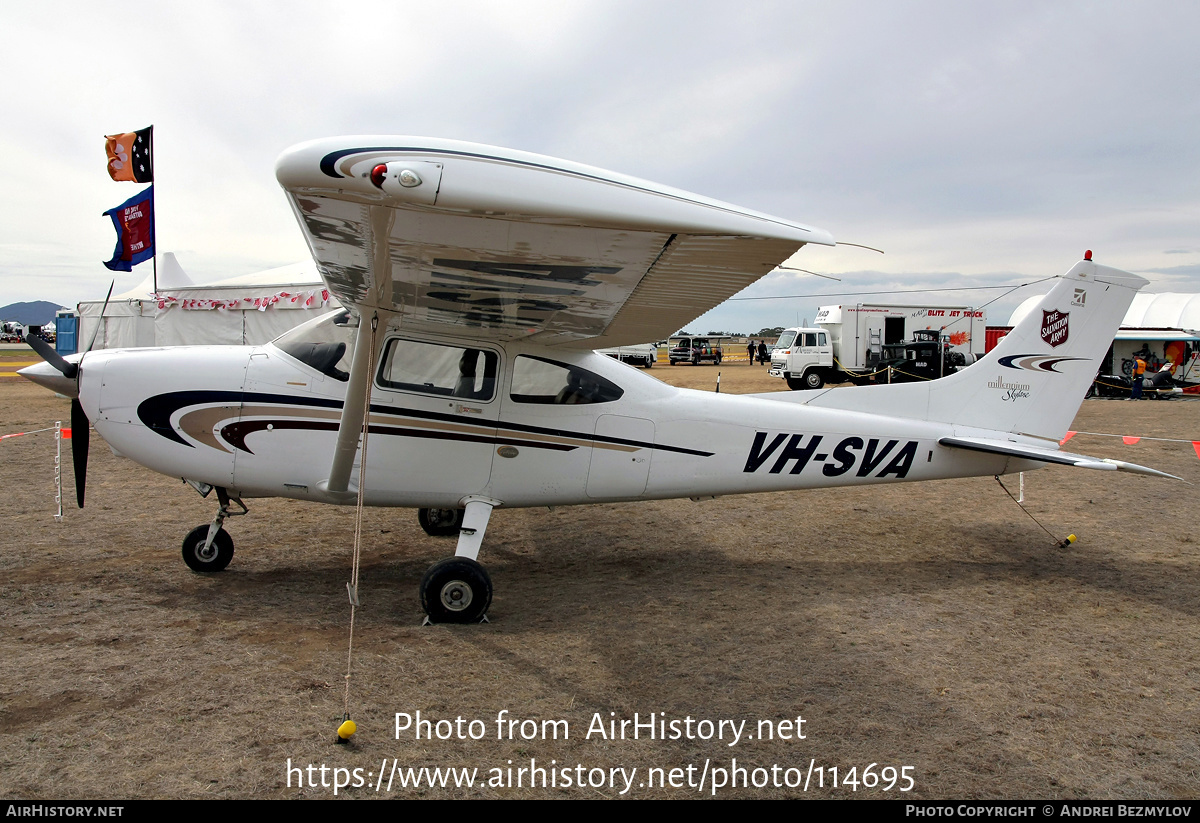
pixel 1048 455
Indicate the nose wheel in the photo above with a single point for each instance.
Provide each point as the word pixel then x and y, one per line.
pixel 203 555
pixel 210 548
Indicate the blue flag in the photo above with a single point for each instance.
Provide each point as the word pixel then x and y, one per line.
pixel 134 222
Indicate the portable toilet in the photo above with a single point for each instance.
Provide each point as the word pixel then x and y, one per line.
pixel 66 331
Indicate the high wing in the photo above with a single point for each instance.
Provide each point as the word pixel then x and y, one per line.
pixel 490 243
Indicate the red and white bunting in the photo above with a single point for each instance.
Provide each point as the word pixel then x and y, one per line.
pixel 315 299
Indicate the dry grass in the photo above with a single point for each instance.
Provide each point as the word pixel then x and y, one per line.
pixel 927 625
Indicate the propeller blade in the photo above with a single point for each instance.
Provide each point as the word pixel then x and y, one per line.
pixel 47 353
pixel 80 433
pixel 100 323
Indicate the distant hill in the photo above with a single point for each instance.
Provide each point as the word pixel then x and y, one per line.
pixel 37 313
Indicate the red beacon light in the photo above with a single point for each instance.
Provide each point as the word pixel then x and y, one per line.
pixel 1087 255
pixel 380 172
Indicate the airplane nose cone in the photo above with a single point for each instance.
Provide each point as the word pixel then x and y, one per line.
pixel 46 375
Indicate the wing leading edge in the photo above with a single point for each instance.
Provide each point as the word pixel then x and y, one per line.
pixel 496 244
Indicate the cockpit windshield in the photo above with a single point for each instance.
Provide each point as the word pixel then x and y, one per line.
pixel 325 344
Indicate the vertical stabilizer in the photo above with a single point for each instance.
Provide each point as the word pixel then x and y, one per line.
pixel 1033 382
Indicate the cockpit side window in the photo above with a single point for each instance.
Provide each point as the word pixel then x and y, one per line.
pixel 434 368
pixel 544 381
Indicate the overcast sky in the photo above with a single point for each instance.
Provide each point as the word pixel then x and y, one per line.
pixel 977 144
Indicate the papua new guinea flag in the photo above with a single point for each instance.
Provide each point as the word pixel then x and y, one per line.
pixel 129 155
pixel 134 222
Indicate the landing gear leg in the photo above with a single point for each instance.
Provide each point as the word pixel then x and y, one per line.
pixel 458 589
pixel 210 548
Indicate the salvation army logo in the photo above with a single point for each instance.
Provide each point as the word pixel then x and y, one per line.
pixel 1054 327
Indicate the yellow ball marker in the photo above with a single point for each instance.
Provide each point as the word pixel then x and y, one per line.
pixel 346 730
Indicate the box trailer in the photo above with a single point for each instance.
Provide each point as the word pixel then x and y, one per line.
pixel 859 342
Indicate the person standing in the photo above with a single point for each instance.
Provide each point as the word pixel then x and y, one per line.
pixel 750 352
pixel 1139 374
pixel 763 354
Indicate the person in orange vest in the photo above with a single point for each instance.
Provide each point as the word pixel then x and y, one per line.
pixel 1139 374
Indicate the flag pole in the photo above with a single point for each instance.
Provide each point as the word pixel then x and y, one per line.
pixel 153 213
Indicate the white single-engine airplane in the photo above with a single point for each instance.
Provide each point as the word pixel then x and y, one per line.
pixel 478 281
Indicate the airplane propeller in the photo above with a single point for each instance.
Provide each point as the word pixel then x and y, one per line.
pixel 81 432
pixel 80 425
pixel 46 352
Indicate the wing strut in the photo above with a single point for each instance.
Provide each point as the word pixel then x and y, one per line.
pixel 354 411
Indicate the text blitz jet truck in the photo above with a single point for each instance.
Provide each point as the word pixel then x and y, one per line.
pixel 851 343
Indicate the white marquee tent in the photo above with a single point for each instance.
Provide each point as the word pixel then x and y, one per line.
pixel 245 310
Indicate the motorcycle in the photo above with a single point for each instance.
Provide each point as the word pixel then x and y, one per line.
pixel 1157 386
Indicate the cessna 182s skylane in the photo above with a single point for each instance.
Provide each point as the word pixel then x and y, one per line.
pixel 478 281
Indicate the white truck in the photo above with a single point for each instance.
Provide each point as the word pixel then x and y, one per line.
pixel 857 343
pixel 642 354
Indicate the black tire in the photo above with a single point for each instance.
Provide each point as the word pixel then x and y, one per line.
pixel 695 359
pixel 440 522
pixel 219 554
pixel 456 590
pixel 813 380
pixel 649 361
pixel 718 358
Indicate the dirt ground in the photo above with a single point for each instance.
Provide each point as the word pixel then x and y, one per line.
pixel 933 626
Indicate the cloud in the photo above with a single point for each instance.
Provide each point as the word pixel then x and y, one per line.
pixel 968 141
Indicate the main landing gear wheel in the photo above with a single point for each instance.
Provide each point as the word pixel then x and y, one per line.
pixel 456 590
pixel 215 559
pixel 440 522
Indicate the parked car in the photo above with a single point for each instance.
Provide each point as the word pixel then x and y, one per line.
pixel 695 350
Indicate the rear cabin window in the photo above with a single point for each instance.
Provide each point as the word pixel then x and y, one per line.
pixel 544 381
pixel 434 368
